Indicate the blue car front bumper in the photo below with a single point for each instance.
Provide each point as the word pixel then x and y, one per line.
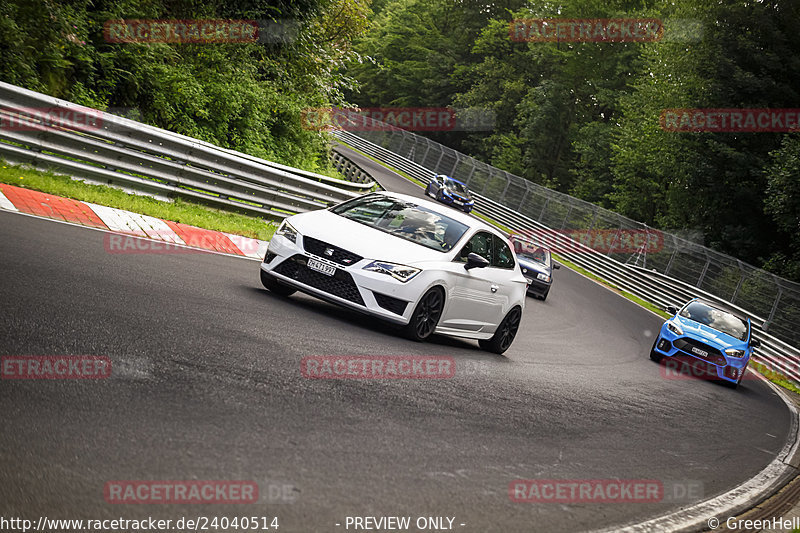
pixel 690 350
pixel 459 203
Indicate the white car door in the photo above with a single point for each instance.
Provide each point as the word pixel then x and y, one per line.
pixel 479 297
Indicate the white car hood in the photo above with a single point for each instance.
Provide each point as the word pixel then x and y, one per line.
pixel 369 243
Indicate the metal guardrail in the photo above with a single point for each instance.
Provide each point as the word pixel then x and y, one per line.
pixel 104 148
pixel 349 169
pixel 650 285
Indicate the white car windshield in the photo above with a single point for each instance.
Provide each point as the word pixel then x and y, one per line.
pixel 405 220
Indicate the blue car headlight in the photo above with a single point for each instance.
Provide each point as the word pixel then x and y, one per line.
pixel 733 352
pixel 288 231
pixel 401 273
pixel 674 328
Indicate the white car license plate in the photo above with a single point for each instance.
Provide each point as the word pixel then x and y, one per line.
pixel 458 202
pixel 328 270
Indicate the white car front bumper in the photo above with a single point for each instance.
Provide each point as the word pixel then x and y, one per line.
pixel 351 286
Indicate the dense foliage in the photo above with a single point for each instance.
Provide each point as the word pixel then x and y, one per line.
pixel 583 118
pixel 246 96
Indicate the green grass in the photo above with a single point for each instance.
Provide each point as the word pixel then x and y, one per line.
pixel 775 377
pixel 177 211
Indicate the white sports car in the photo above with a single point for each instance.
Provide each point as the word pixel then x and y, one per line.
pixel 405 260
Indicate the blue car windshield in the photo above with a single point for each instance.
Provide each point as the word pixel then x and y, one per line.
pixel 405 220
pixel 716 318
pixel 456 186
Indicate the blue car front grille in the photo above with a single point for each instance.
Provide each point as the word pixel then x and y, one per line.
pixel 696 348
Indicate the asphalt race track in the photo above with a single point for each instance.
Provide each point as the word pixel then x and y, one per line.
pixel 206 385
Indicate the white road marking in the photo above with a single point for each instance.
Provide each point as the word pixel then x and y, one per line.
pixel 250 247
pixel 5 203
pixel 136 224
pixel 155 228
pixel 116 219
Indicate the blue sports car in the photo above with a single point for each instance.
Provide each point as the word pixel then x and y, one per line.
pixel 451 192
pixel 703 332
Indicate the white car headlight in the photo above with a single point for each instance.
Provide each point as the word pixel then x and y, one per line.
pixel 288 231
pixel 733 352
pixel 674 328
pixel 399 272
pixel 543 277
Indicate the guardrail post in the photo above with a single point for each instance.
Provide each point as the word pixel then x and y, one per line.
pixel 546 201
pixel 505 190
pixel 775 305
pixel 671 259
pixel 522 201
pixel 427 149
pixel 569 212
pixel 436 166
pixel 642 250
pixel 455 165
pixel 471 172
pixel 703 273
pixel 739 284
pixel 487 182
pixel 402 143
pixel 616 237
pixel 524 196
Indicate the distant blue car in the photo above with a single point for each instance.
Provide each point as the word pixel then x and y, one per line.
pixel 702 331
pixel 451 192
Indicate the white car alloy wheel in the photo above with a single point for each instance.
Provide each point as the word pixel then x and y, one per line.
pixel 426 315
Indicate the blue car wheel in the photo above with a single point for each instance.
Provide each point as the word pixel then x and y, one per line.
pixel 654 355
